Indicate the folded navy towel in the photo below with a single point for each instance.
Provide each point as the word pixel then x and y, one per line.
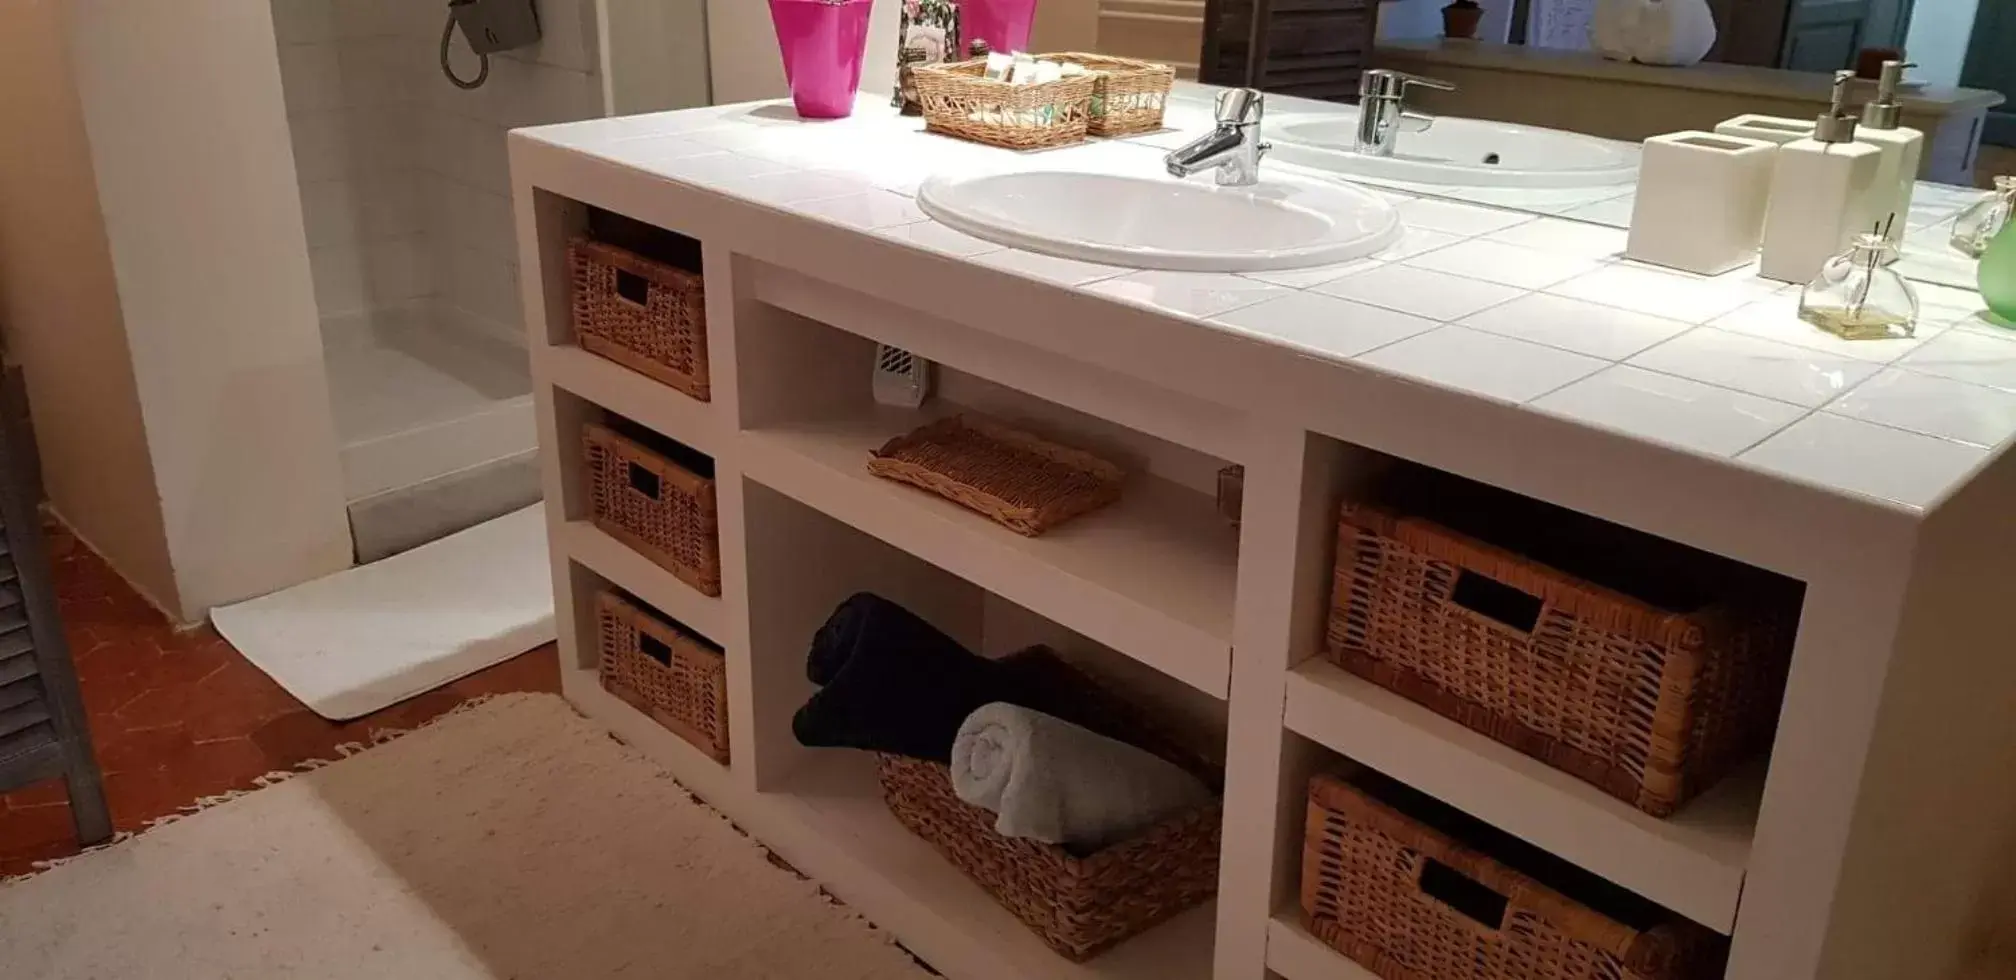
pixel 891 682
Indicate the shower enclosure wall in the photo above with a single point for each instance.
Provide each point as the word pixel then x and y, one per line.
pixel 405 197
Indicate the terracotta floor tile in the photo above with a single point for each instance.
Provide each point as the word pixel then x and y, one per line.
pixel 178 715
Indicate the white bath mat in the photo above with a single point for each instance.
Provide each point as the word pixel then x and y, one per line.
pixel 358 640
pixel 511 841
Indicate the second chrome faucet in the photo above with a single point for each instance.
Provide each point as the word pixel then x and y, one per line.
pixel 1382 109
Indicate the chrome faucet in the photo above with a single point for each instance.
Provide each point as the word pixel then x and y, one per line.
pixel 1234 148
pixel 1382 109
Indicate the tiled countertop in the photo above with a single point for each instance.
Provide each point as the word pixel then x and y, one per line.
pixel 1541 312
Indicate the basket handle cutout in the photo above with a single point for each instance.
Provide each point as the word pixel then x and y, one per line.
pixel 1468 896
pixel 645 482
pixel 633 287
pixel 1496 601
pixel 654 648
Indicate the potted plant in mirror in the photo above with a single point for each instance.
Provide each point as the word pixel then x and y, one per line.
pixel 1460 19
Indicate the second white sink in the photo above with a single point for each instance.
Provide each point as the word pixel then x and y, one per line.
pixel 1163 223
pixel 1459 151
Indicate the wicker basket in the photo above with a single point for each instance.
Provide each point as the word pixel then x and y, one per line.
pixel 1128 96
pixel 677 679
pixel 1413 890
pixel 959 100
pixel 1651 685
pixel 657 499
pixel 1079 904
pixel 1025 483
pixel 643 314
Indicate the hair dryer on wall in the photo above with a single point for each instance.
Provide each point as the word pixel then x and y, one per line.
pixel 489 26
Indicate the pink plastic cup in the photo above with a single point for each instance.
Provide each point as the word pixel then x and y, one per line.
pixel 822 42
pixel 1003 24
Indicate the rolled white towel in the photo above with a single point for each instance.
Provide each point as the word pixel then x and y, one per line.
pixel 1048 779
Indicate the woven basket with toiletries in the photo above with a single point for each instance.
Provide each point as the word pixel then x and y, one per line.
pixel 1080 904
pixel 678 679
pixel 1129 95
pixel 657 497
pixel 1018 480
pixel 1646 668
pixel 960 100
pixel 641 313
pixel 1415 890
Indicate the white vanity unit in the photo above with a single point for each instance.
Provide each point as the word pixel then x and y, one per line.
pixel 1875 842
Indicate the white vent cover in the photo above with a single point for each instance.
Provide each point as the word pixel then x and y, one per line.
pixel 902 379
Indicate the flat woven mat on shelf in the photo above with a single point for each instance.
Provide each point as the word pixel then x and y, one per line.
pixel 514 839
pixel 1018 480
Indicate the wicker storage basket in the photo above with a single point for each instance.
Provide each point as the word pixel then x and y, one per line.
pixel 1018 480
pixel 643 314
pixel 1128 95
pixel 1413 890
pixel 657 498
pixel 1651 685
pixel 1079 904
pixel 677 679
pixel 959 100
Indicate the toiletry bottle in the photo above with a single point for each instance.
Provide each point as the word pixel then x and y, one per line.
pixel 1824 192
pixel 1998 276
pixel 1902 146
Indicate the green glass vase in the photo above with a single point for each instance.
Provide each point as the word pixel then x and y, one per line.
pixel 1998 275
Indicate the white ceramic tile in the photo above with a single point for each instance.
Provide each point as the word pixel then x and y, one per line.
pixel 1934 406
pixel 304 21
pixel 1069 272
pixel 1508 265
pixel 1457 219
pixel 311 77
pixel 1435 295
pixel 469 216
pixel 1861 457
pixel 1199 294
pixel 873 209
pixel 793 186
pixel 1572 324
pixel 1663 408
pixel 1483 364
pixel 1564 237
pixel 938 238
pixel 713 169
pixel 1325 325
pixel 1615 212
pixel 1793 374
pixel 1777 318
pixel 1947 302
pixel 1673 296
pixel 1967 356
pixel 1415 241
pixel 1305 278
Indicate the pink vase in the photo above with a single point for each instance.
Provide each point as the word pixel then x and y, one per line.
pixel 1003 24
pixel 822 42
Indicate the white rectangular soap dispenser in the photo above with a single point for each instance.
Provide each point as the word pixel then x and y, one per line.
pixel 1824 191
pixel 1903 147
pixel 1777 130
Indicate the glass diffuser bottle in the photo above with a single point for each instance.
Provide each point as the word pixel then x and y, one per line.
pixel 1859 297
pixel 1978 225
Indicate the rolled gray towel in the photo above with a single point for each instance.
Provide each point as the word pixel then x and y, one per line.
pixel 1053 781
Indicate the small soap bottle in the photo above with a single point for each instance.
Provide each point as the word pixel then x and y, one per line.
pixel 1903 147
pixel 1824 191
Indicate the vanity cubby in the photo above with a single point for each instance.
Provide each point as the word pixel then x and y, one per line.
pixel 1228 623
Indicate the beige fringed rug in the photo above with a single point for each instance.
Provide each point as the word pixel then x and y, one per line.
pixel 514 840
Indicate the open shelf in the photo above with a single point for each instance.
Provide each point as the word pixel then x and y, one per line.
pixel 666 410
pixel 605 556
pixel 1297 955
pixel 1151 576
pixel 1692 863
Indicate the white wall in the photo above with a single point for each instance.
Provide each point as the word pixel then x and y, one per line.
pixel 1940 30
pixel 189 141
pixel 59 308
pixel 743 58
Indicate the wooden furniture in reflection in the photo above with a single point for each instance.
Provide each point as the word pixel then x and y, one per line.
pixel 1312 48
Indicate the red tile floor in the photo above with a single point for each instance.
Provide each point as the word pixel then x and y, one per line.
pixel 179 715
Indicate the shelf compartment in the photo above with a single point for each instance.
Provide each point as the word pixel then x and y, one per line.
pixel 1151 576
pixel 630 395
pixel 1691 863
pixel 593 549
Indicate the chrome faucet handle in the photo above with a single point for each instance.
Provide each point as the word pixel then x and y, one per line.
pixel 1382 83
pixel 1240 107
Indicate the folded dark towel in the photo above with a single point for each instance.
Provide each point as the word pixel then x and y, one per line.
pixel 891 682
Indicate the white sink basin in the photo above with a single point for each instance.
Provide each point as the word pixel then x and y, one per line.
pixel 1191 225
pixel 1470 152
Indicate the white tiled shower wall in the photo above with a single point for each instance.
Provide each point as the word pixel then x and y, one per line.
pixel 404 181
